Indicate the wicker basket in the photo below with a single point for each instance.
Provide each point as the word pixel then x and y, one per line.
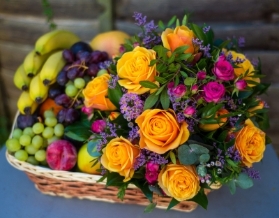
pixel 85 186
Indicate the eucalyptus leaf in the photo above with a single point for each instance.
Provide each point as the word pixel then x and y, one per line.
pixel 201 169
pixel 198 149
pixel 204 158
pixel 92 148
pixel 186 155
pixel 244 181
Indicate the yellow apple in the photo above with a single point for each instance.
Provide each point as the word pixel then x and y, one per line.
pixel 85 161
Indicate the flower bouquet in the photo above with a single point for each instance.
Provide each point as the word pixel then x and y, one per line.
pixel 175 113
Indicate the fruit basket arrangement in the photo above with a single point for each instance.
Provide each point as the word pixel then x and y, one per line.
pixel 158 119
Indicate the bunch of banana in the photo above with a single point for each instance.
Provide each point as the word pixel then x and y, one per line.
pixel 41 67
pixel 21 80
pixel 25 104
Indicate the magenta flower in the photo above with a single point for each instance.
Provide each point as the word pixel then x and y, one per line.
pixel 170 85
pixel 87 110
pixel 241 84
pixel 179 91
pixel 223 69
pixel 98 126
pixel 151 166
pixel 213 92
pixel 189 111
pixel 201 75
pixel 194 89
pixel 151 176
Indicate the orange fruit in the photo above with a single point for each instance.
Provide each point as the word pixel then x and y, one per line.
pixel 49 104
pixel 109 42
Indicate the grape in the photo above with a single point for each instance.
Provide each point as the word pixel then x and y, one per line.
pixel 61 115
pixel 21 155
pixel 32 160
pixel 31 149
pixel 25 140
pixel 101 72
pixel 72 73
pixel 96 57
pixel 63 100
pixel 71 115
pixel 59 130
pixel 40 155
pixel 28 131
pixel 52 139
pixel 24 121
pixel 37 141
pixel 62 78
pixel 79 83
pixel 68 55
pixel 49 113
pixel 48 132
pixel 50 121
pixel 71 90
pixel 16 133
pixel 38 128
pixel 54 91
pixel 80 46
pixel 83 56
pixel 92 69
pixel 13 145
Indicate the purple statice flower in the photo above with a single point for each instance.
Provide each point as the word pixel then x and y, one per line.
pixel 252 173
pixel 233 120
pixel 205 50
pixel 149 156
pixel 206 29
pixel 220 157
pixel 113 81
pixel 197 42
pixel 255 62
pixel 133 133
pixel 230 103
pixel 105 65
pixel 241 42
pixel 110 132
pixel 139 18
pixel 180 117
pixel 131 106
pixel 233 154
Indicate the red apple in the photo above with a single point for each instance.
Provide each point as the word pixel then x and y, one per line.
pixel 61 155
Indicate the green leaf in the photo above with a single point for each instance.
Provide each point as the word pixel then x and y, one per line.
pixel 185 20
pixel 172 157
pixel 201 199
pixel 144 187
pixel 171 58
pixel 150 101
pixel 201 169
pixel 164 99
pixel 149 208
pixel 173 203
pixel 212 111
pixel 232 186
pixel 121 191
pixel 156 189
pixel 152 62
pixel 78 131
pixel 114 179
pixel 186 155
pixel 244 181
pixel 223 135
pixel 115 94
pixel 161 25
pixel 183 57
pixel 148 84
pixel 160 89
pixel 160 79
pixel 171 21
pixel 92 148
pixel 199 33
pixel 181 49
pixel 189 81
pixel 198 149
pixel 244 94
pixel 232 163
pixel 204 158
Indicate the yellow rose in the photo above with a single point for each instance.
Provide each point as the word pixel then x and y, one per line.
pixel 119 156
pixel 211 127
pixel 160 132
pixel 180 36
pixel 250 143
pixel 241 69
pixel 179 181
pixel 95 94
pixel 133 67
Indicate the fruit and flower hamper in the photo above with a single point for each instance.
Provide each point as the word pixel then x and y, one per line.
pixel 159 119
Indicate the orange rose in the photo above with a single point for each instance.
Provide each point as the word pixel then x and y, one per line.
pixel 241 68
pixel 95 94
pixel 160 131
pixel 133 67
pixel 180 36
pixel 258 107
pixel 119 156
pixel 211 127
pixel 179 181
pixel 250 143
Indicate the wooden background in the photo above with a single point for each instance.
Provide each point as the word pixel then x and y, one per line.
pixel 22 22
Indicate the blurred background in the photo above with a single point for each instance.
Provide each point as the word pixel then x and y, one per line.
pixel 23 21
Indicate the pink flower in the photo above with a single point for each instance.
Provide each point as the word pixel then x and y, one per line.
pixel 170 85
pixel 98 126
pixel 150 166
pixel 87 110
pixel 194 89
pixel 223 69
pixel 241 84
pixel 213 92
pixel 179 91
pixel 189 111
pixel 151 176
pixel 201 75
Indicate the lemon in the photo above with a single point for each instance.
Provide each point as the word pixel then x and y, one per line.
pixel 85 161
pixel 109 41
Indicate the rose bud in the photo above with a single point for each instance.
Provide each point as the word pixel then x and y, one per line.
pixel 179 91
pixel 189 111
pixel 150 166
pixel 170 85
pixel 113 115
pixel 201 75
pixel 151 176
pixel 87 110
pixel 98 126
pixel 194 89
pixel 241 84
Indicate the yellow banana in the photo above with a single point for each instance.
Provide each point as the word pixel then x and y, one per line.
pixel 25 104
pixel 38 91
pixel 21 80
pixel 33 62
pixel 51 68
pixel 56 39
